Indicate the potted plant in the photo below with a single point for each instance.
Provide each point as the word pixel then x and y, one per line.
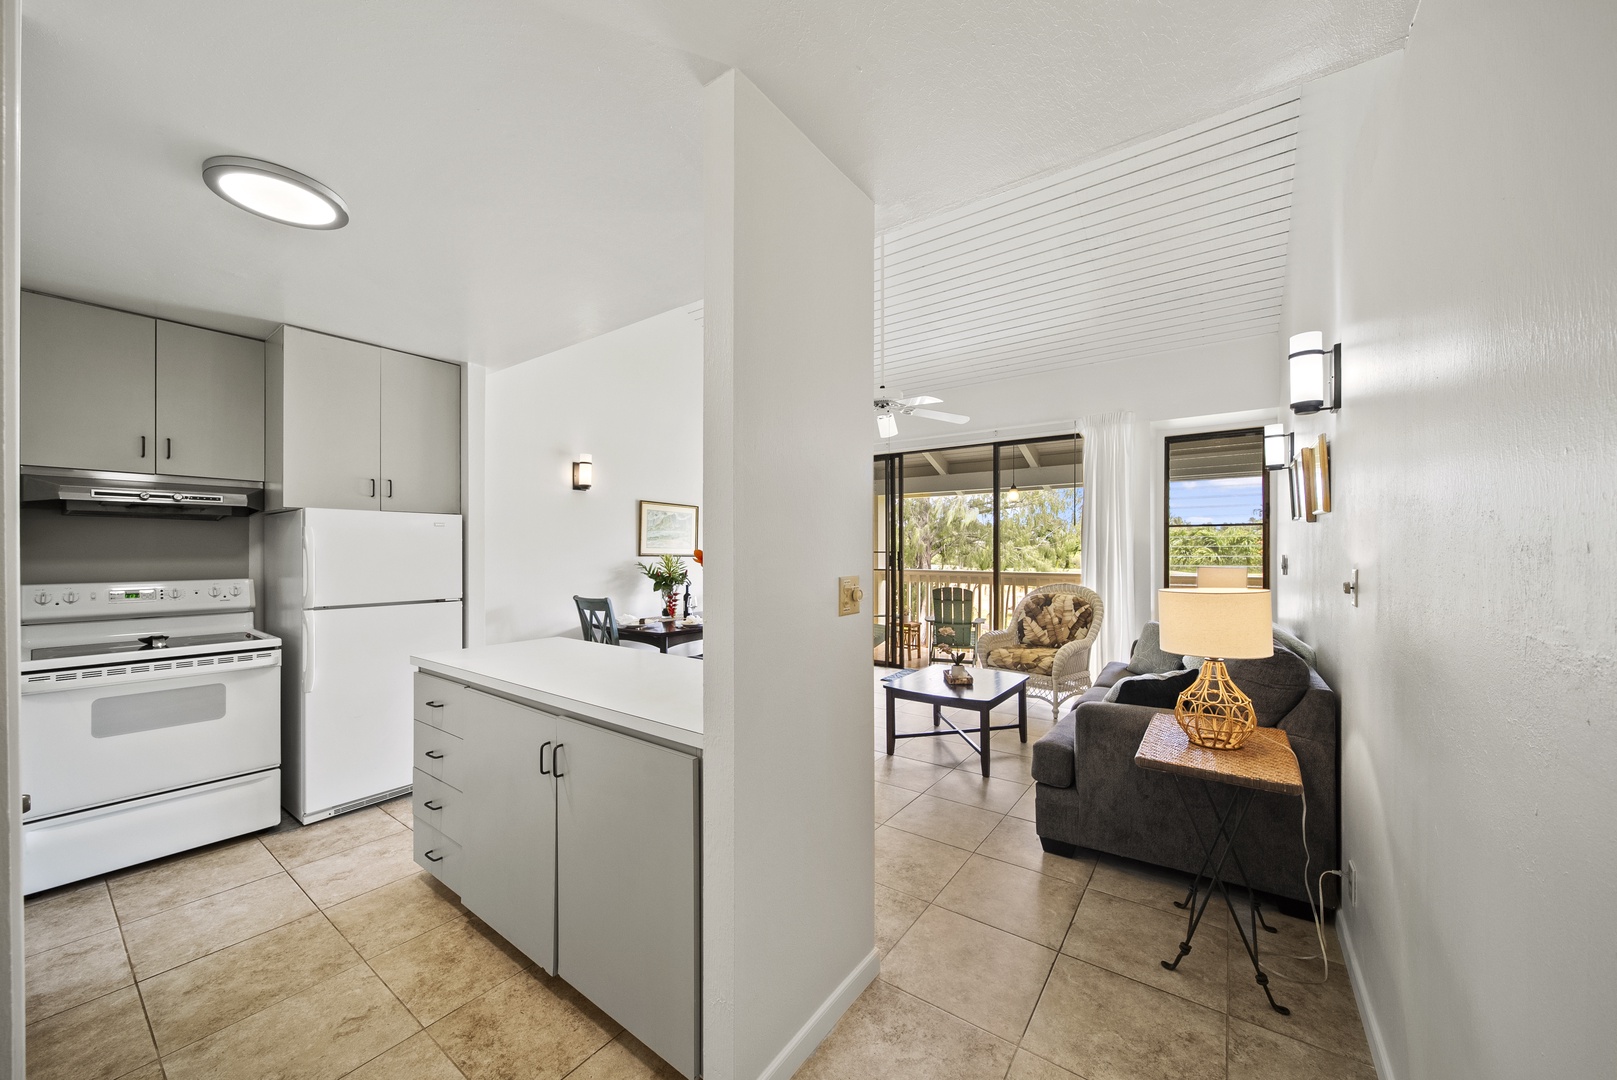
pixel 667 574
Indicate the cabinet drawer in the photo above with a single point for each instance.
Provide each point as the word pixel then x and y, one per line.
pixel 438 754
pixel 440 703
pixel 438 856
pixel 439 805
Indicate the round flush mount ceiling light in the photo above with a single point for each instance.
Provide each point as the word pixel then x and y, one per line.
pixel 275 192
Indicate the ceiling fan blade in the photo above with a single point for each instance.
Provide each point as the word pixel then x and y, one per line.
pixel 946 417
pixel 924 399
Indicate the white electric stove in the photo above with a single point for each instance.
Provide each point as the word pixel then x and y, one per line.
pixel 150 723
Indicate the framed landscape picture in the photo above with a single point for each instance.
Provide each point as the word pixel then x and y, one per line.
pixel 667 528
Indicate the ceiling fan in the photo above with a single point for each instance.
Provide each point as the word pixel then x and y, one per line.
pixel 889 408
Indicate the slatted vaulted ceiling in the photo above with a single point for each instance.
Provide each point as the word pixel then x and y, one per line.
pixel 1174 243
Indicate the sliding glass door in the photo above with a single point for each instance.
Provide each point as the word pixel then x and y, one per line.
pixel 962 533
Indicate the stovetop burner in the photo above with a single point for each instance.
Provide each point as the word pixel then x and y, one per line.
pixel 149 644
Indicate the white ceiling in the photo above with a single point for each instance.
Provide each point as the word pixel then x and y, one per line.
pixel 524 174
pixel 1174 242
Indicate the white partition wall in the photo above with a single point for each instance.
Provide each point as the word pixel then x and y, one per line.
pixel 788 846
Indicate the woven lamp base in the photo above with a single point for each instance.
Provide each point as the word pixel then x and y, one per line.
pixel 1213 710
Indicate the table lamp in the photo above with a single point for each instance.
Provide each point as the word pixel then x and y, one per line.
pixel 1219 624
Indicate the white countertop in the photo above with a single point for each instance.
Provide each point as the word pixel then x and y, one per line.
pixel 636 690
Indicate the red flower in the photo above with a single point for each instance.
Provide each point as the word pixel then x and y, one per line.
pixel 698 556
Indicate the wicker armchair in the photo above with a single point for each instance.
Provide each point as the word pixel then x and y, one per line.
pixel 1069 675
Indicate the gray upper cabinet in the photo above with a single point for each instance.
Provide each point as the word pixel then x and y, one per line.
pixel 86 394
pixel 325 422
pixel 357 427
pixel 210 403
pixel 420 434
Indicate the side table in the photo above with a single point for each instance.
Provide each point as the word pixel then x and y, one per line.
pixel 1264 762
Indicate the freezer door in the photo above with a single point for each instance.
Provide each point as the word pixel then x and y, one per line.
pixel 358 557
pixel 354 728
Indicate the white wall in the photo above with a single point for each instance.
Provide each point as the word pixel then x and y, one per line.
pixel 788 860
pixel 1225 385
pixel 1464 251
pixel 11 950
pixel 633 399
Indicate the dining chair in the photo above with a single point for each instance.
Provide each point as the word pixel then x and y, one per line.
pixel 596 619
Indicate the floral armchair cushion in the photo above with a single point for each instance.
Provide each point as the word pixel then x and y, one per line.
pixel 1051 620
pixel 1034 661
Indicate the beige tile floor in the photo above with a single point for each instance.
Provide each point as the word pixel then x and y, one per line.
pixel 308 953
pixel 999 960
pixel 323 952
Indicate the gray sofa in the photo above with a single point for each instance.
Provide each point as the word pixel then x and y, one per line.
pixel 1090 794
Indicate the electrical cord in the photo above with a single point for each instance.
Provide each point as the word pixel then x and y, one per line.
pixel 1318 912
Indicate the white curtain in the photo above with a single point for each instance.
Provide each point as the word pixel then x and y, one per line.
pixel 1108 540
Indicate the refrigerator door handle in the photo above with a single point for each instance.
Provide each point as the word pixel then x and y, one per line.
pixel 308 564
pixel 308 653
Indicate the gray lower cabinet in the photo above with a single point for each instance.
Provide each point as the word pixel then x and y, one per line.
pixel 627 883
pixel 576 843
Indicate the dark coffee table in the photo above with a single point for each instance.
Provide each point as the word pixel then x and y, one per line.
pixel 989 687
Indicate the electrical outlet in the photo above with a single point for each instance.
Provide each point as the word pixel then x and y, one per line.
pixel 848 595
pixel 1352 884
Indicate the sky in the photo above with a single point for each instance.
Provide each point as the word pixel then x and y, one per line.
pixel 1216 502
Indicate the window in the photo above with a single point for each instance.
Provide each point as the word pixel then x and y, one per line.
pixel 1217 505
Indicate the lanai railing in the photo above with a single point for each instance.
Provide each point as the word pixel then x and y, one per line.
pixel 915 595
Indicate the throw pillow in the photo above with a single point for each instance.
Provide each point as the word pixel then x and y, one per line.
pixel 1051 620
pixel 1296 645
pixel 1148 656
pixel 1034 661
pixel 1160 690
pixel 1275 683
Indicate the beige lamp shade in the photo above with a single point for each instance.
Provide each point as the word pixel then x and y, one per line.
pixel 1231 624
pixel 1221 577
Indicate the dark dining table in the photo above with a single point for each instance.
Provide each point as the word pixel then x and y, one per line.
pixel 662 633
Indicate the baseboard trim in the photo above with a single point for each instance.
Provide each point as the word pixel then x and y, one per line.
pixel 810 1035
pixel 1372 1028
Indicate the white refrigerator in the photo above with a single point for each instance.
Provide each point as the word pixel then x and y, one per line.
pixel 352 594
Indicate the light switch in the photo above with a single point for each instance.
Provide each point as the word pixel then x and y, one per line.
pixel 848 595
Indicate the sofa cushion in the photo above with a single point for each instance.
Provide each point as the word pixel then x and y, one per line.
pixel 1094 693
pixel 1160 690
pixel 1050 620
pixel 1053 761
pixel 1296 645
pixel 1275 683
pixel 1023 658
pixel 1112 672
pixel 1148 656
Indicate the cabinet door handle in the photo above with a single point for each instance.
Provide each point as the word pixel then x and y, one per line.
pixel 390 489
pixel 555 760
pixel 168 449
pixel 430 805
pixel 436 755
pixel 431 857
pixel 435 704
pixel 542 770
pixel 373 487
pixel 143 446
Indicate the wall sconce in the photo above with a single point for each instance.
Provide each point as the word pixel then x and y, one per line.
pixel 1278 446
pixel 583 472
pixel 1316 374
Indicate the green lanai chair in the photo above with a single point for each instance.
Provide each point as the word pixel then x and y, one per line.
pixel 953 628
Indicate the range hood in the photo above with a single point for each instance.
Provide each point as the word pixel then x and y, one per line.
pixel 116 494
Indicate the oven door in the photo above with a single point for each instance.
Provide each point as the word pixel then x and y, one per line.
pixel 93 745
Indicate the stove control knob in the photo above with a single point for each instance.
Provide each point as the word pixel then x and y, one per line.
pixel 215 591
pixel 235 590
pixel 71 598
pixel 42 597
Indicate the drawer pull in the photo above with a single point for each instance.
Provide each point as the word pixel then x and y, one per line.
pixel 430 805
pixel 436 755
pixel 435 704
pixel 431 857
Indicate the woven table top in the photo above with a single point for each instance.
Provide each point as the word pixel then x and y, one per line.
pixel 1264 761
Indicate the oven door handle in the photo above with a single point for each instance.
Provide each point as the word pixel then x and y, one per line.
pixel 308 655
